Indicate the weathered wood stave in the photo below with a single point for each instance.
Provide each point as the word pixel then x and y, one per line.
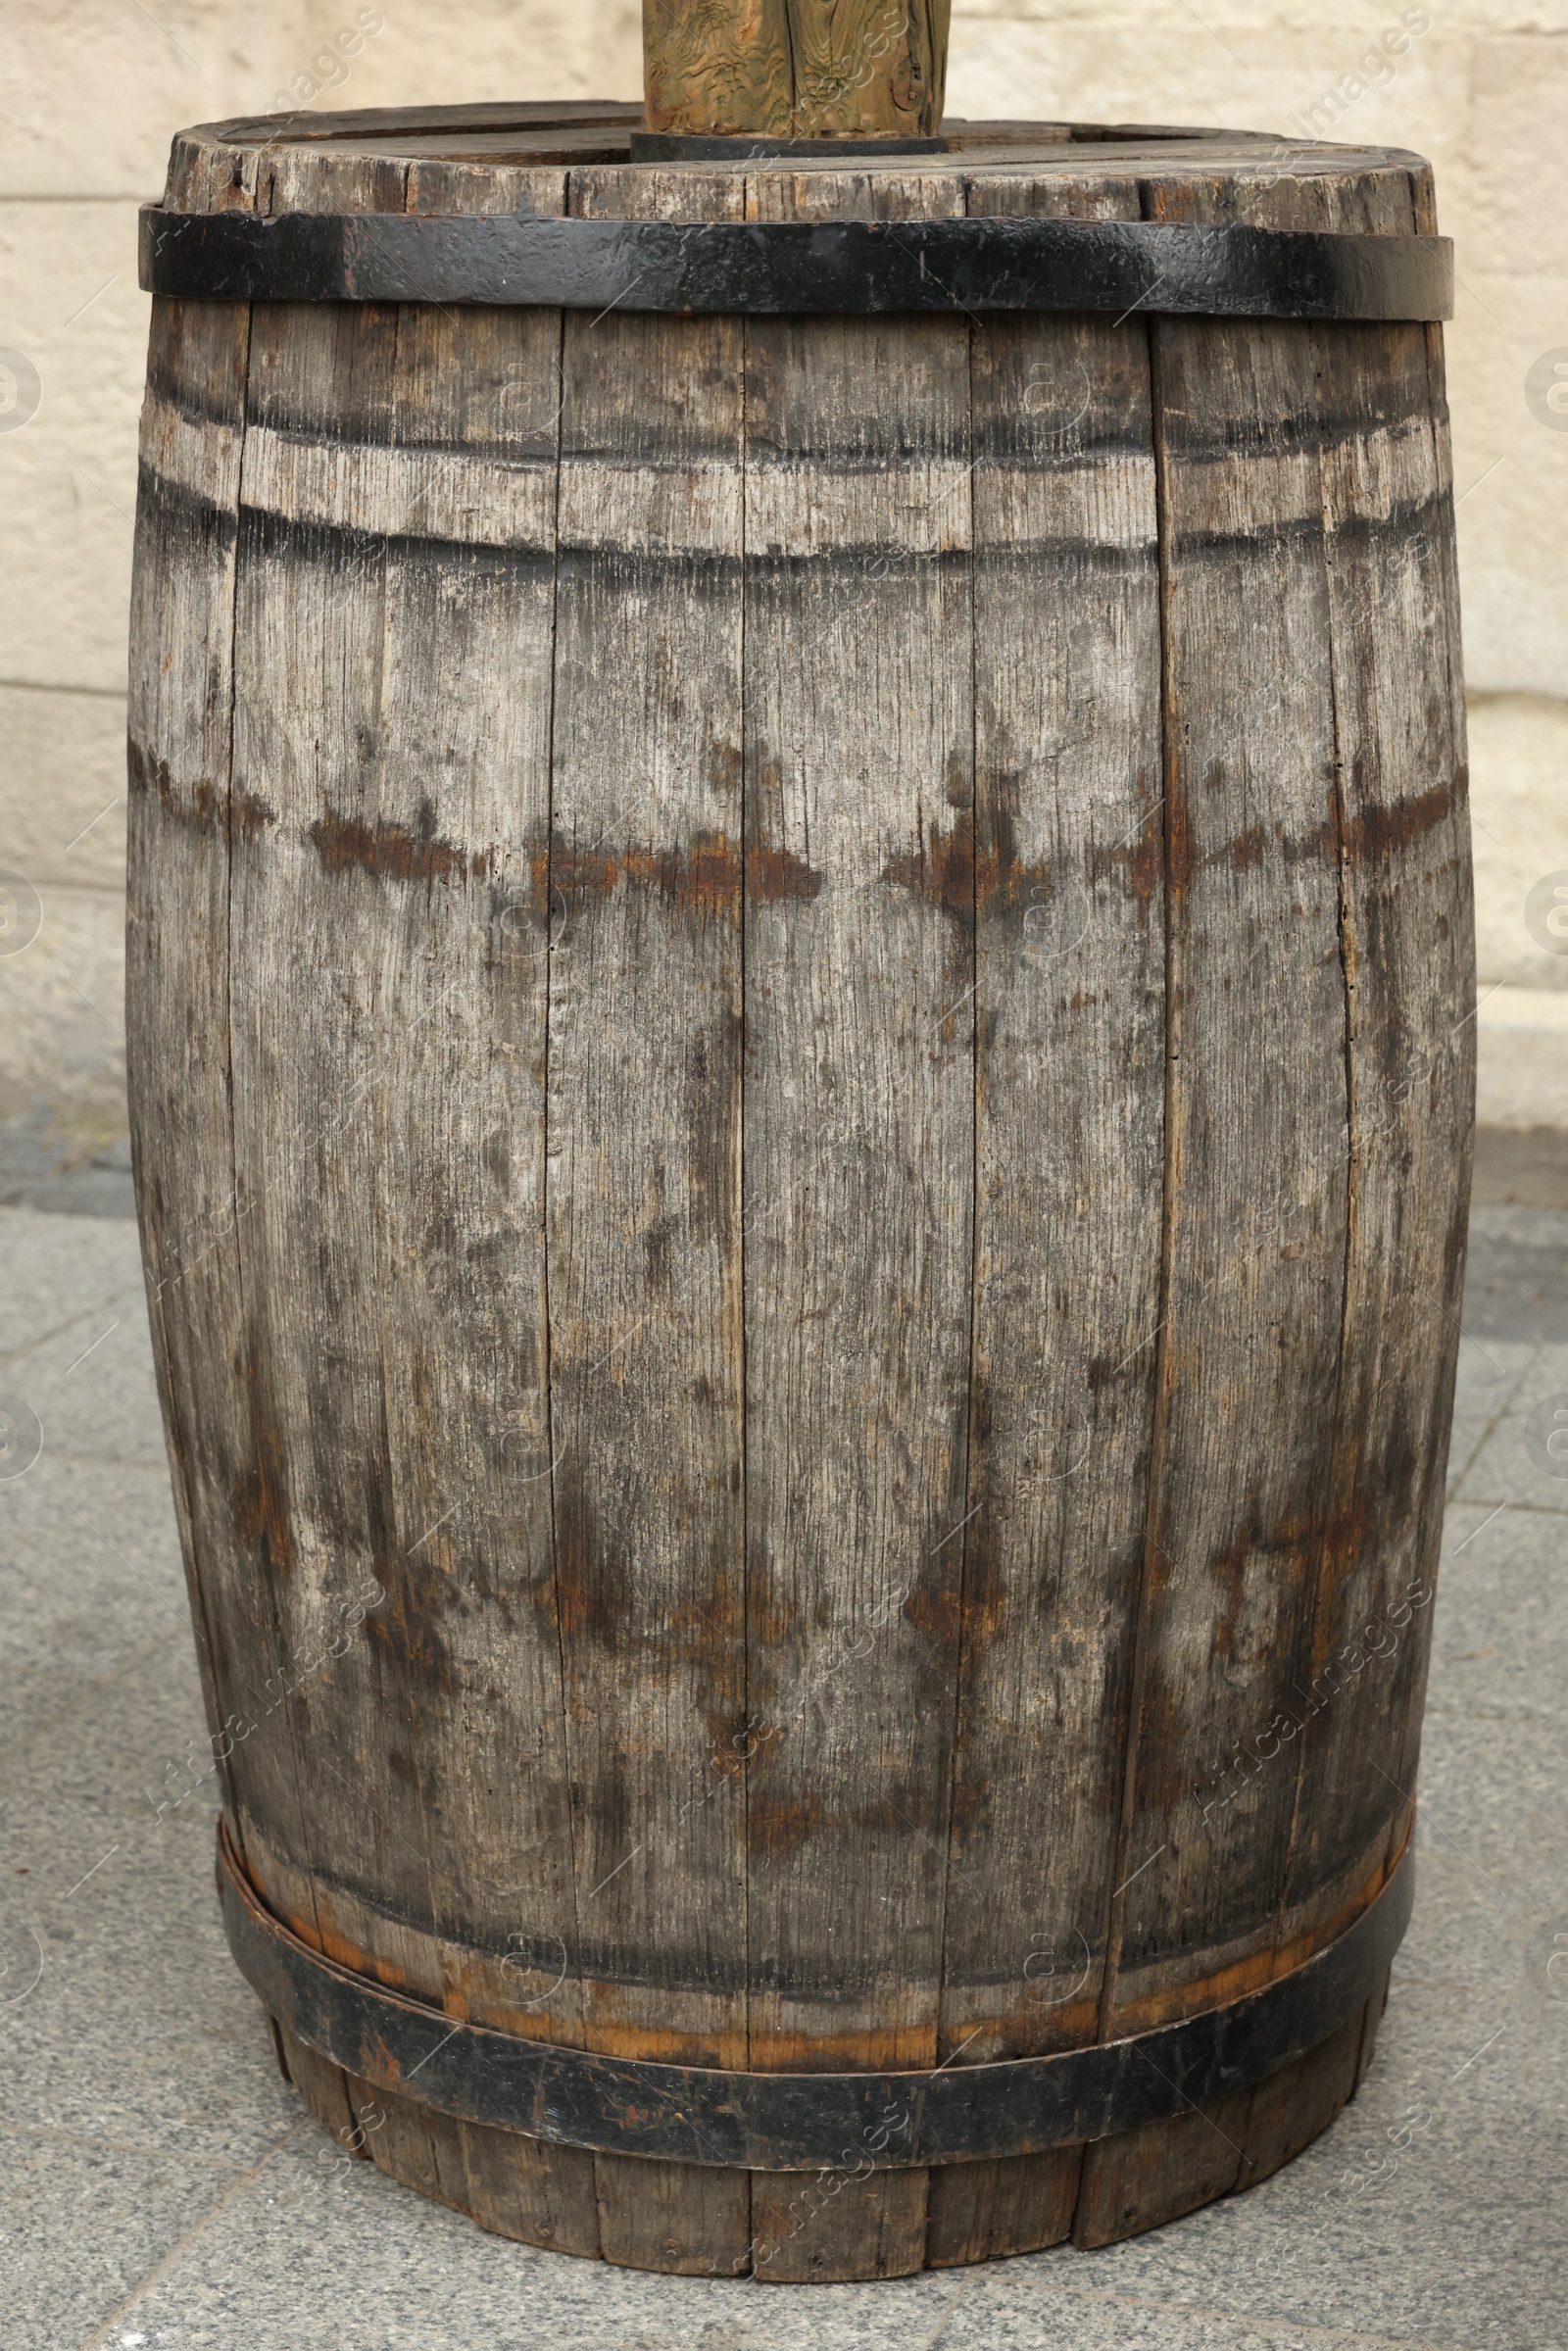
pixel 472 1028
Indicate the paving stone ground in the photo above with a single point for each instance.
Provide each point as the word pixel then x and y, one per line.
pixel 164 2191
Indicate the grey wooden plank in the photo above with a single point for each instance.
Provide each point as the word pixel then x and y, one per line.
pixel 1070 1094
pixel 524 2189
pixel 644 1188
pixel 1248 1339
pixel 1409 958
pixel 1293 2107
pixel 183 816
pixel 1462 949
pixel 453 842
pixel 1070 1084
pixel 307 1040
pixel 687 2219
pixel 983 2211
pixel 1142 2178
pixel 859 1119
pixel 322 2086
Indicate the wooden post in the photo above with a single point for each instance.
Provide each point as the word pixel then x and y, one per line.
pixel 795 69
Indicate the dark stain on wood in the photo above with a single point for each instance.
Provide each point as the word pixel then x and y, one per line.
pixel 988 1603
pixel 1180 857
pixel 1003 876
pixel 1275 1559
pixel 776 874
pixel 936 1607
pixel 777 1826
pixel 1167 1739
pixel 942 870
pixel 656 1254
pixel 579 1592
pixel 1245 851
pixel 408 1624
pixel 705 878
pixel 1377 831
pixel 1140 858
pixel 401 852
pixel 209 808
pixel 259 1500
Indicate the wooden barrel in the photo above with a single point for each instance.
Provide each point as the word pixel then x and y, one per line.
pixel 800 988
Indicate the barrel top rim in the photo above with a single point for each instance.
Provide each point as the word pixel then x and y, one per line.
pixel 561 135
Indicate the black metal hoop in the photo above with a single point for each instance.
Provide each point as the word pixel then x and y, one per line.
pixel 795 266
pixel 803 2122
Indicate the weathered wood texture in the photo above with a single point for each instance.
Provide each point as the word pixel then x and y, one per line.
pixel 795 69
pixel 798 1018
pixel 182 823
pixel 644 1200
pixel 1069 1094
pixel 859 1023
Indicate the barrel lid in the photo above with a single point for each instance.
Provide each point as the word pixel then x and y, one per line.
pixel 221 160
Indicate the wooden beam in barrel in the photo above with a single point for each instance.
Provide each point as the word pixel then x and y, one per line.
pixel 795 69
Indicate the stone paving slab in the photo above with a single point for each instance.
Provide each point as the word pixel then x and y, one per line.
pixel 1524 1458
pixel 58 1273
pixel 1501 1640
pixel 1491 1373
pixel 309 2255
pixel 164 2192
pixel 90 1577
pixel 1516 1279
pixel 89 1383
pixel 111 1816
pixel 45 1166
pixel 82 2224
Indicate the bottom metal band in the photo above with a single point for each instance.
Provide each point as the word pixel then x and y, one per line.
pixel 803 2122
